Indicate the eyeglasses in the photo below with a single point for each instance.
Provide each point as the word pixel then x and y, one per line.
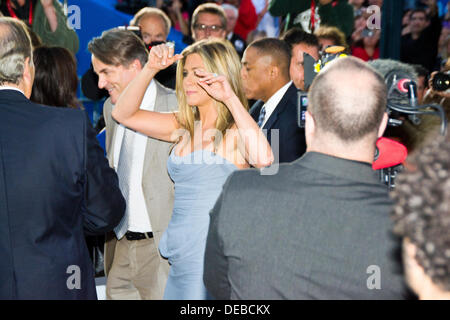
pixel 204 27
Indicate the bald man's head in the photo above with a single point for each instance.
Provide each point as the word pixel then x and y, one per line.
pixel 348 100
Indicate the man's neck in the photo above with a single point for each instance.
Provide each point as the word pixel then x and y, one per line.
pixel 362 151
pixel 415 35
pixel 274 88
pixel 13 86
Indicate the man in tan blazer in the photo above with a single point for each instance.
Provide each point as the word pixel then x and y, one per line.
pixel 133 265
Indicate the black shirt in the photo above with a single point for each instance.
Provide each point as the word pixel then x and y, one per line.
pixel 21 12
pixel 423 50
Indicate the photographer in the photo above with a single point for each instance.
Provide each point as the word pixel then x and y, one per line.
pixel 300 42
pixel 435 94
pixel 428 128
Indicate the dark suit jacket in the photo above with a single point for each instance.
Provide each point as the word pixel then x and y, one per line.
pixel 238 43
pixel 291 143
pixel 55 185
pixel 319 229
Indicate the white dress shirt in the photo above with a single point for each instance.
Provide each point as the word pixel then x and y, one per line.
pixel 138 220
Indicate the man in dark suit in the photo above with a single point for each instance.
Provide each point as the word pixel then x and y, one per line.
pixel 55 185
pixel 320 228
pixel 265 73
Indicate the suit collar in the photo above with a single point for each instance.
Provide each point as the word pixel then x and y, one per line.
pixel 11 88
pixel 342 168
pixel 13 93
pixel 281 106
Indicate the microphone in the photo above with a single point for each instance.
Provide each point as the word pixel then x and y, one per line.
pixel 403 85
pixel 389 153
pixel 398 78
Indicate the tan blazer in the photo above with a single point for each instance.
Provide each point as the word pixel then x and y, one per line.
pixel 157 186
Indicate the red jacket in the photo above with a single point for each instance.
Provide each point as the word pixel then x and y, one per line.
pixel 247 19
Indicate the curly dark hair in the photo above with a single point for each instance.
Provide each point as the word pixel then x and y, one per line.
pixel 422 209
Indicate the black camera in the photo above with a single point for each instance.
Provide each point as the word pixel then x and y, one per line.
pixel 137 31
pixel 441 81
pixel 311 68
pixel 302 106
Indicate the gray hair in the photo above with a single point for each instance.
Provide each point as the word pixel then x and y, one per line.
pixel 15 48
pixel 152 12
pixel 227 6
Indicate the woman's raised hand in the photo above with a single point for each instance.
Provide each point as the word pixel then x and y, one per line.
pixel 162 56
pixel 216 86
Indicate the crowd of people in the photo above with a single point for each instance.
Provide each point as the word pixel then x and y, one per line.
pixel 217 184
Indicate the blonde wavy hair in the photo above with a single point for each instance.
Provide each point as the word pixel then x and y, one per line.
pixel 219 57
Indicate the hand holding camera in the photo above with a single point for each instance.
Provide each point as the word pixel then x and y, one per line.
pixel 439 84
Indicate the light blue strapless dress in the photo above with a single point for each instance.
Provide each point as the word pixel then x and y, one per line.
pixel 198 177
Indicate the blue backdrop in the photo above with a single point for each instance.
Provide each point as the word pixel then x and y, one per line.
pixel 96 16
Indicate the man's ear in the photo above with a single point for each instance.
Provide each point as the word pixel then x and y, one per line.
pixel 274 72
pixel 136 64
pixel 27 70
pixel 383 125
pixel 310 128
pixel 28 76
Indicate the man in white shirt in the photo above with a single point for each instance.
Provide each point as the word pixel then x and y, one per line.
pixel 265 74
pixel 133 265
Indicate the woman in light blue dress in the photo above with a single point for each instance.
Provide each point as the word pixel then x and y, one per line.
pixel 213 134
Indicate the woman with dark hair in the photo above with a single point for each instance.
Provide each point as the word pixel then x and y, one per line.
pixel 56 80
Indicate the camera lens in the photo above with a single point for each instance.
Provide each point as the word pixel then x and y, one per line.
pixel 441 81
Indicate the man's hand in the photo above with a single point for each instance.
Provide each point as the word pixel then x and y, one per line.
pixel 433 93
